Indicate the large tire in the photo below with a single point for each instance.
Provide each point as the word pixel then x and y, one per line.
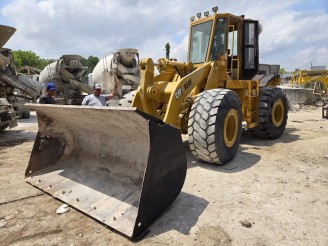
pixel 273 109
pixel 214 126
pixel 127 99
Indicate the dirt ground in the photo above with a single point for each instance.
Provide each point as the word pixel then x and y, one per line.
pixel 272 193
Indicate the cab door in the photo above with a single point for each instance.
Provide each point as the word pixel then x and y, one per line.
pixel 250 45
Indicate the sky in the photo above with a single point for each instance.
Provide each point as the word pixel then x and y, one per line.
pixel 294 31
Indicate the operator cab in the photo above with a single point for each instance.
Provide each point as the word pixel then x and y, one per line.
pixel 225 37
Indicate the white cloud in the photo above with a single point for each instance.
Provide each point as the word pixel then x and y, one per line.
pixel 55 27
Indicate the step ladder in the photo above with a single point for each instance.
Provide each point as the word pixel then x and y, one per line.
pixel 252 105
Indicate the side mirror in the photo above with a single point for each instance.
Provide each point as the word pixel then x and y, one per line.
pixel 228 52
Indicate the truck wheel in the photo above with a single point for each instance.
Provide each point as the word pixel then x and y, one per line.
pixel 214 126
pixel 273 109
pixel 320 103
pixel 3 127
pixel 127 99
pixel 26 115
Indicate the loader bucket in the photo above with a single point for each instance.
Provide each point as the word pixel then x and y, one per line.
pixel 118 165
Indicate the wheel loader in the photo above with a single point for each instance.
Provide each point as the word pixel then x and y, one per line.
pixel 219 87
pixel 124 165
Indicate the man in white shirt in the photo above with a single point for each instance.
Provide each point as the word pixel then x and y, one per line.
pixel 96 99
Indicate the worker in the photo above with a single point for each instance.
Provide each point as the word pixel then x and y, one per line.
pixel 218 48
pixel 167 48
pixel 49 97
pixel 96 99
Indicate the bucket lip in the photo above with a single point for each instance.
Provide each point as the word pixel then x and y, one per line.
pixel 36 106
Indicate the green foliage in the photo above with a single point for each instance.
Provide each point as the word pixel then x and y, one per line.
pixel 282 70
pixel 90 62
pixel 29 58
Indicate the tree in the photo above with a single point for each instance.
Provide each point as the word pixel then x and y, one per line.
pixel 282 70
pixel 90 62
pixel 28 58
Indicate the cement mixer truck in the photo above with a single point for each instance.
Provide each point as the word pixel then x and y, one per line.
pixel 15 89
pixel 67 74
pixel 121 66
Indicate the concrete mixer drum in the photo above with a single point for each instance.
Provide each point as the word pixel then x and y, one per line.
pixel 121 66
pixel 67 74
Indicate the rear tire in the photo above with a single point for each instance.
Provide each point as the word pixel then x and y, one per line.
pixel 127 99
pixel 273 109
pixel 214 126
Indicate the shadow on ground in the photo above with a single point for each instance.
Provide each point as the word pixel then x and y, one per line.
pixel 243 160
pixel 288 136
pixel 181 216
pixel 12 138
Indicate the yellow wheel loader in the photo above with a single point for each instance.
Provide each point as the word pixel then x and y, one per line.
pixel 124 165
pixel 219 87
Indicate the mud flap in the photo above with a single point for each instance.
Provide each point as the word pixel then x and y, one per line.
pixel 118 165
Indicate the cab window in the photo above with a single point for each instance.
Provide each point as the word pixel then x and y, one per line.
pixel 200 36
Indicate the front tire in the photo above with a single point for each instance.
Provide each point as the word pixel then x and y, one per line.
pixel 214 126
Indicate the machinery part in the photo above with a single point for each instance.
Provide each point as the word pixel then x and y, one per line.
pixel 122 169
pixel 121 66
pixel 127 99
pixel 325 112
pixel 15 89
pixel 23 83
pixel 305 76
pixel 297 95
pixel 214 126
pixel 67 74
pixel 26 115
pixel 268 75
pixel 4 127
pixel 82 86
pixel 6 33
pixel 7 115
pixel 320 103
pixel 273 108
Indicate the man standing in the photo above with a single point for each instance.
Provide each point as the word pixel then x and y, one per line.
pixel 167 48
pixel 49 97
pixel 96 99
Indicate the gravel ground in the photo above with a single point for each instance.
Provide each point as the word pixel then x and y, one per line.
pixel 272 193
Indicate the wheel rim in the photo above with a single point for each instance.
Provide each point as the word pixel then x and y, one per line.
pixel 230 129
pixel 278 112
